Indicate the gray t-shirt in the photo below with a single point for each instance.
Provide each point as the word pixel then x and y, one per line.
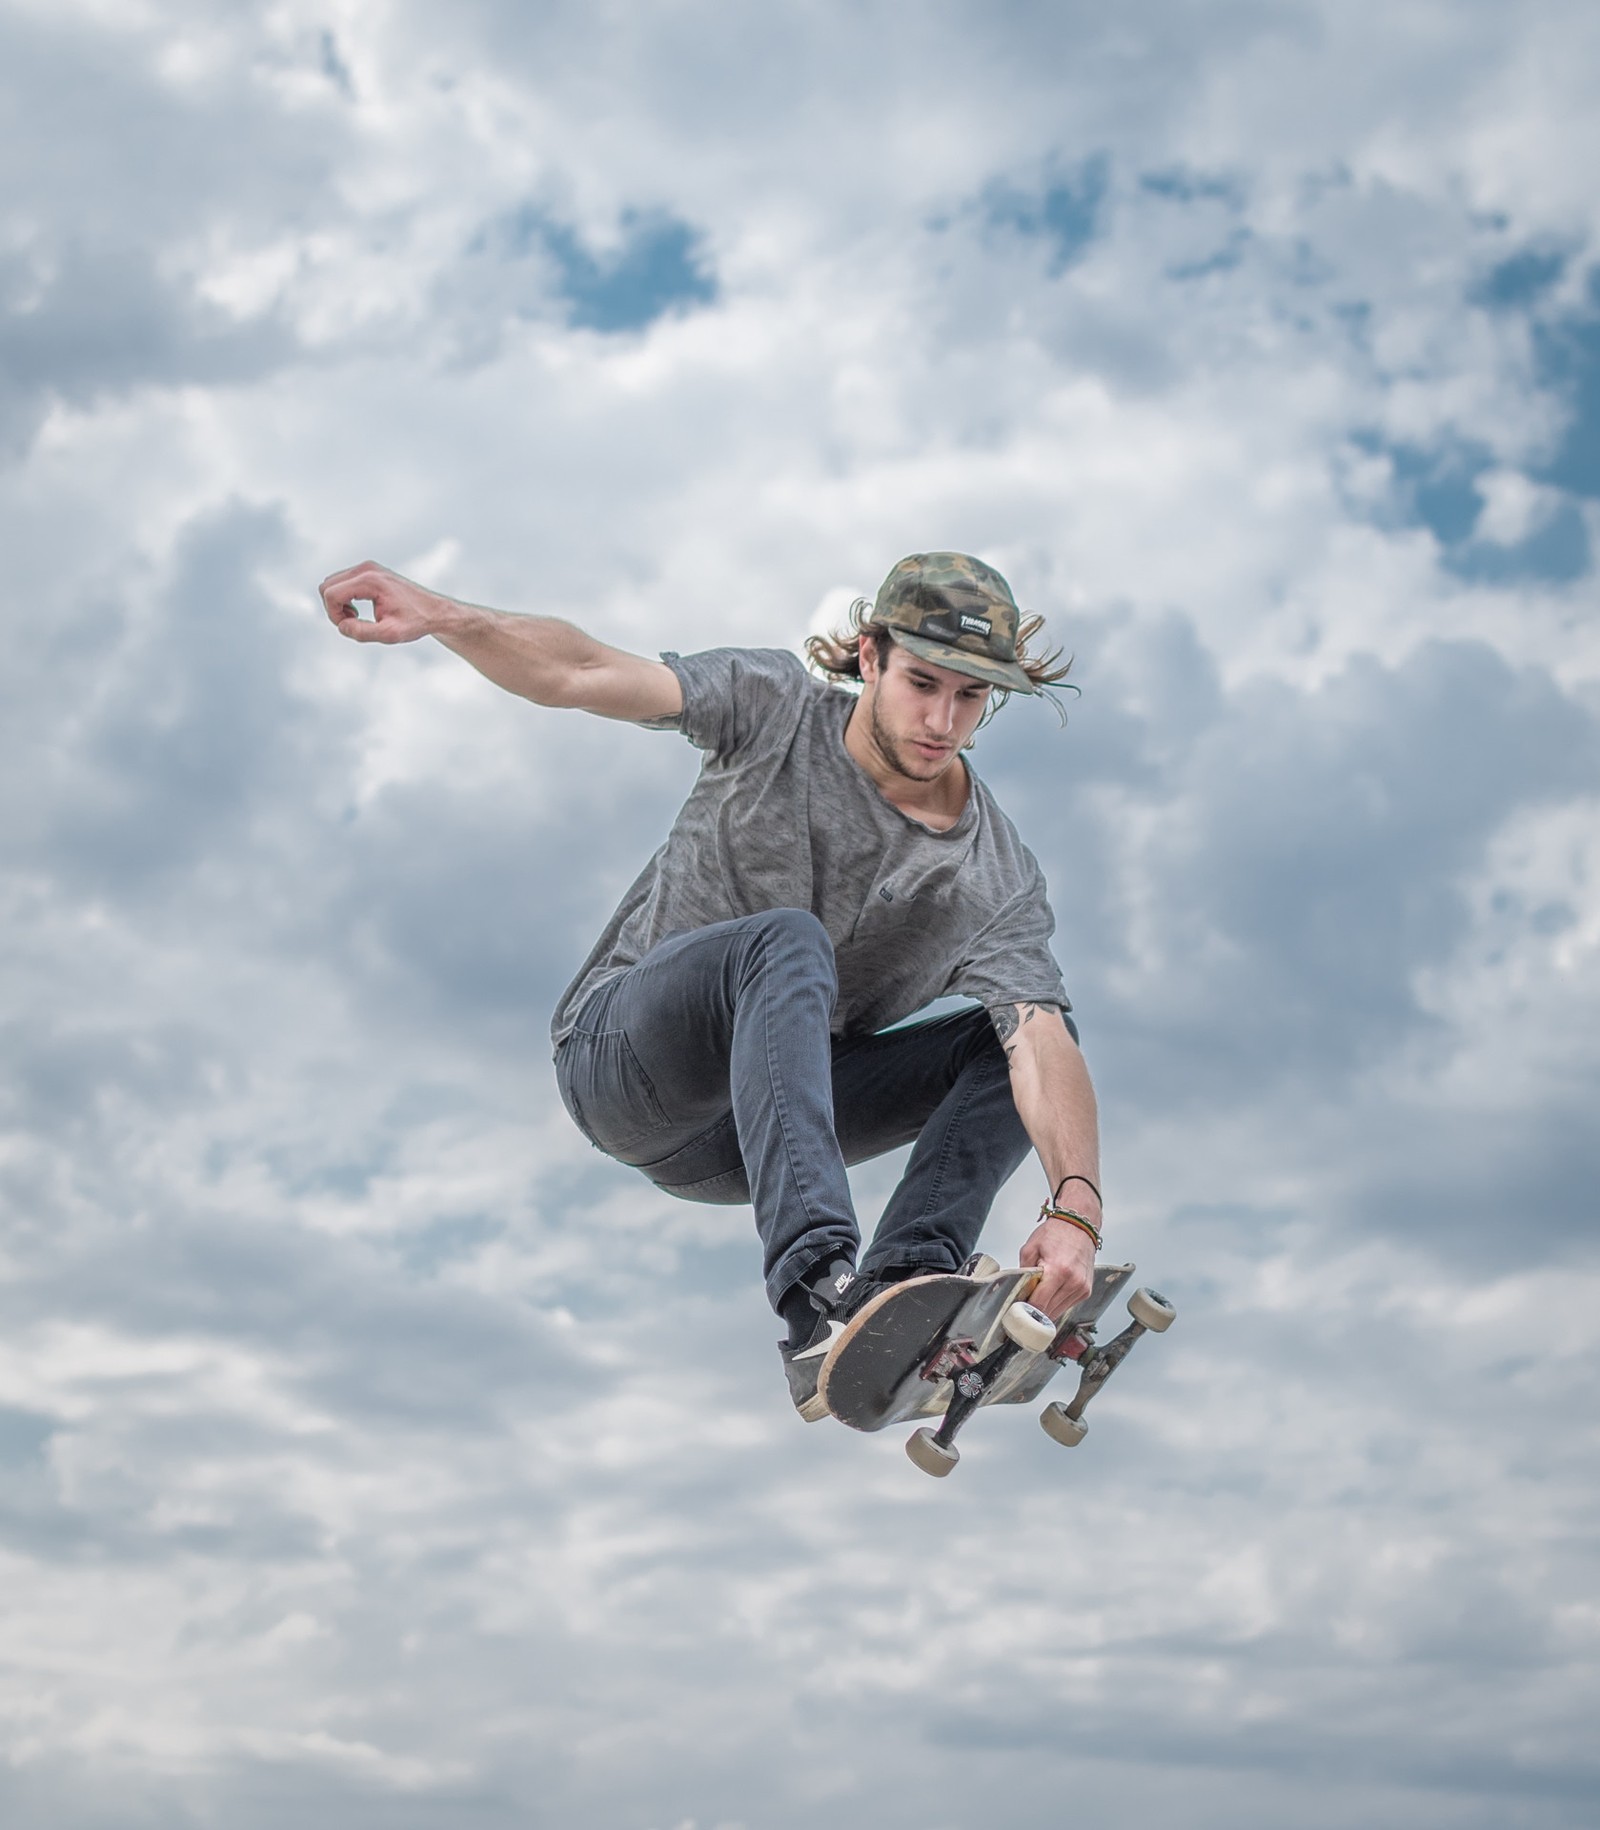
pixel 783 817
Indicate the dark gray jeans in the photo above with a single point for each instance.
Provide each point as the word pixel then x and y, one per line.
pixel 709 1067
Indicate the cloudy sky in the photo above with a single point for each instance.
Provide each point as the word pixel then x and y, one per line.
pixel 1259 344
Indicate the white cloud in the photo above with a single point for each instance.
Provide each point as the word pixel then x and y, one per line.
pixel 1513 507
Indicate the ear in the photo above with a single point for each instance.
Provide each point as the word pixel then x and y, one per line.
pixel 868 652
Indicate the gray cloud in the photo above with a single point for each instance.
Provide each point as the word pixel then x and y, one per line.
pixel 1309 852
pixel 134 143
pixel 179 726
pixel 86 323
pixel 97 290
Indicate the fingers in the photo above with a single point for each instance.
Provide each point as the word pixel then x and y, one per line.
pixel 339 599
pixel 348 581
pixel 360 630
pixel 1056 1294
pixel 1067 1264
pixel 342 591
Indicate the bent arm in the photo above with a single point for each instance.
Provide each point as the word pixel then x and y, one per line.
pixel 540 658
pixel 1055 1100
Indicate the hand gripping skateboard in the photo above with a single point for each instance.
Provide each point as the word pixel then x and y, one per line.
pixel 951 1343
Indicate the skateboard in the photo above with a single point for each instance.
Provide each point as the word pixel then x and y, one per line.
pixel 951 1343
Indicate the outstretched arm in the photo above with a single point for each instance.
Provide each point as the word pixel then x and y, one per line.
pixel 1055 1100
pixel 537 657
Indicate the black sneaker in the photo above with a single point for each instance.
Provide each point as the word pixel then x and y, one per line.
pixel 838 1294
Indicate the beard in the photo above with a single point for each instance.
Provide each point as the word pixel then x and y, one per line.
pixel 899 756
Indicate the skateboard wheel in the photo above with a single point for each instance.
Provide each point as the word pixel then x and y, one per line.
pixel 1153 1309
pixel 980 1264
pixel 1068 1431
pixel 930 1456
pixel 1030 1328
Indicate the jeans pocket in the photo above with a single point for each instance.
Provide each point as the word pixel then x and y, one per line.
pixel 609 1095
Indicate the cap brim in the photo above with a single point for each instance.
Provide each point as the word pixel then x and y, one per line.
pixel 959 661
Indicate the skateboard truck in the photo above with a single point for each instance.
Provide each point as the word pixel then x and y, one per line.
pixel 1073 1343
pixel 951 1358
pixel 1023 1329
pixel 935 1452
pixel 1152 1314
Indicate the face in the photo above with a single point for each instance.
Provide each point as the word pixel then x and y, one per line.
pixel 920 716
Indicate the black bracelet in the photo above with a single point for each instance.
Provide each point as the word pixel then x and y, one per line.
pixel 1084 1180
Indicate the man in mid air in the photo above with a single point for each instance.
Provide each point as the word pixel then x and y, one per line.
pixel 836 868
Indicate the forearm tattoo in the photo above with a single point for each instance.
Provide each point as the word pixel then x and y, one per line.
pixel 1009 1019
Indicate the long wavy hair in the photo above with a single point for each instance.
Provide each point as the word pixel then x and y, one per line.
pixel 837 656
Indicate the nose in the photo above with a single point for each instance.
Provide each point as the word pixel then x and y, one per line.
pixel 942 715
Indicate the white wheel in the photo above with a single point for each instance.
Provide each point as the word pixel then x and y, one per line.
pixel 928 1455
pixel 1030 1328
pixel 1068 1431
pixel 1153 1309
pixel 980 1264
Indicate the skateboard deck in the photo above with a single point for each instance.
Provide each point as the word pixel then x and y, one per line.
pixel 950 1344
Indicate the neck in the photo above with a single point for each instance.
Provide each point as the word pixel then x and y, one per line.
pixel 937 802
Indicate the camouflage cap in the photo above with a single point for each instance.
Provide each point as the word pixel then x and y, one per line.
pixel 957 612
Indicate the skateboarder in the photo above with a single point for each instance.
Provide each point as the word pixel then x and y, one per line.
pixel 836 867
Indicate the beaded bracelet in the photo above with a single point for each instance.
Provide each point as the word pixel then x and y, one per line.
pixel 1051 1212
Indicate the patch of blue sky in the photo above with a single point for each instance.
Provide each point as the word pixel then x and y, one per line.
pixel 657 267
pixel 1567 356
pixel 1569 361
pixel 1439 490
pixel 1520 281
pixel 1556 553
pixel 1065 213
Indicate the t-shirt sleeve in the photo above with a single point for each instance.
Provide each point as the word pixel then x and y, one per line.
pixel 1008 961
pixel 731 694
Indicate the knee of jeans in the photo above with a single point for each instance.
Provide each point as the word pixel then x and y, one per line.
pixel 797 934
pixel 730 1189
